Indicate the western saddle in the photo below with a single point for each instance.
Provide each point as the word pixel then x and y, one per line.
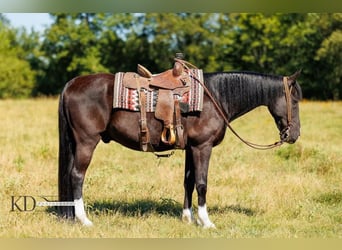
pixel 171 85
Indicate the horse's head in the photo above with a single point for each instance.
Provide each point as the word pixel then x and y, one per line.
pixel 285 109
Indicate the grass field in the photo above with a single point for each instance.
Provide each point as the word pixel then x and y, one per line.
pixel 290 192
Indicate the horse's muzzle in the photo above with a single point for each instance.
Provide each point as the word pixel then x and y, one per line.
pixel 287 136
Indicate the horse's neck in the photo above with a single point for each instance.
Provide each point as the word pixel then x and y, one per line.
pixel 247 94
pixel 236 108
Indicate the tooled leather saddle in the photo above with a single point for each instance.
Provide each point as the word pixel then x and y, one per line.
pixel 171 85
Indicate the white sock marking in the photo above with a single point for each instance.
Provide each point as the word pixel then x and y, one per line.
pixel 80 212
pixel 203 217
pixel 188 216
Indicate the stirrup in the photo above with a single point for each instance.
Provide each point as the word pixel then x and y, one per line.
pixel 168 135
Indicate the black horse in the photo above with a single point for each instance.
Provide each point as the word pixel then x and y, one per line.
pixel 86 116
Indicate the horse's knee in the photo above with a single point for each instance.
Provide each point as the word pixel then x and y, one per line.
pixel 201 189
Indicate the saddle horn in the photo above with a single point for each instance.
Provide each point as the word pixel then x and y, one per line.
pixel 177 69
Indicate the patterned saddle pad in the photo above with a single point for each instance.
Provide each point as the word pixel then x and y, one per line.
pixel 128 98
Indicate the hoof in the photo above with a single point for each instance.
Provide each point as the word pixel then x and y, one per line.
pixel 86 222
pixel 66 213
pixel 206 225
pixel 187 216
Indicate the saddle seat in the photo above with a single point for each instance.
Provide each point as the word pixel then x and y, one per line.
pixel 170 79
pixel 171 85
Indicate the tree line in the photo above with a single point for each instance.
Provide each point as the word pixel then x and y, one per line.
pixel 40 63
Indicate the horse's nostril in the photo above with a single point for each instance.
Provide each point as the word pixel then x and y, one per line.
pixel 291 141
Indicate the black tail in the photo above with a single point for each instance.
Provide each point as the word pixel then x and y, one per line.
pixel 66 161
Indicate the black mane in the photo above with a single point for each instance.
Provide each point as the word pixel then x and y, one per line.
pixel 243 90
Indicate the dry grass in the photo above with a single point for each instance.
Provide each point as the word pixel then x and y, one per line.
pixel 293 191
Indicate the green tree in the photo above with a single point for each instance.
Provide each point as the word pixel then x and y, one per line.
pixel 70 48
pixel 193 34
pixel 314 44
pixel 16 76
pixel 329 55
pixel 122 43
pixel 284 43
pixel 86 43
pixel 153 39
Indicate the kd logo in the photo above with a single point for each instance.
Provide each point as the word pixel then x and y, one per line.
pixel 23 203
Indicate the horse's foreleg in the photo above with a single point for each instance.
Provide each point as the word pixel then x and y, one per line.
pixel 189 186
pixel 201 156
pixel 83 157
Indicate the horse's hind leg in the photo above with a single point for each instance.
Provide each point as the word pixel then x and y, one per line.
pixel 83 155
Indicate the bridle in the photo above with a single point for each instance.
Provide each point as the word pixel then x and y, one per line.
pixel 285 133
pixel 288 91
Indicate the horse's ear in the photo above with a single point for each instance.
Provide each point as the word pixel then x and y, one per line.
pixel 177 69
pixel 293 77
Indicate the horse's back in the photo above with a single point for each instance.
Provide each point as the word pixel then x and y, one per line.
pixel 93 83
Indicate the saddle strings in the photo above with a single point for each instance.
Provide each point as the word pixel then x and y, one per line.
pixel 188 66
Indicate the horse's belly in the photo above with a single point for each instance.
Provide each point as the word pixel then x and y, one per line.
pixel 124 128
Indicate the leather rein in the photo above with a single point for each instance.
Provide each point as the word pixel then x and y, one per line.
pixel 285 131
